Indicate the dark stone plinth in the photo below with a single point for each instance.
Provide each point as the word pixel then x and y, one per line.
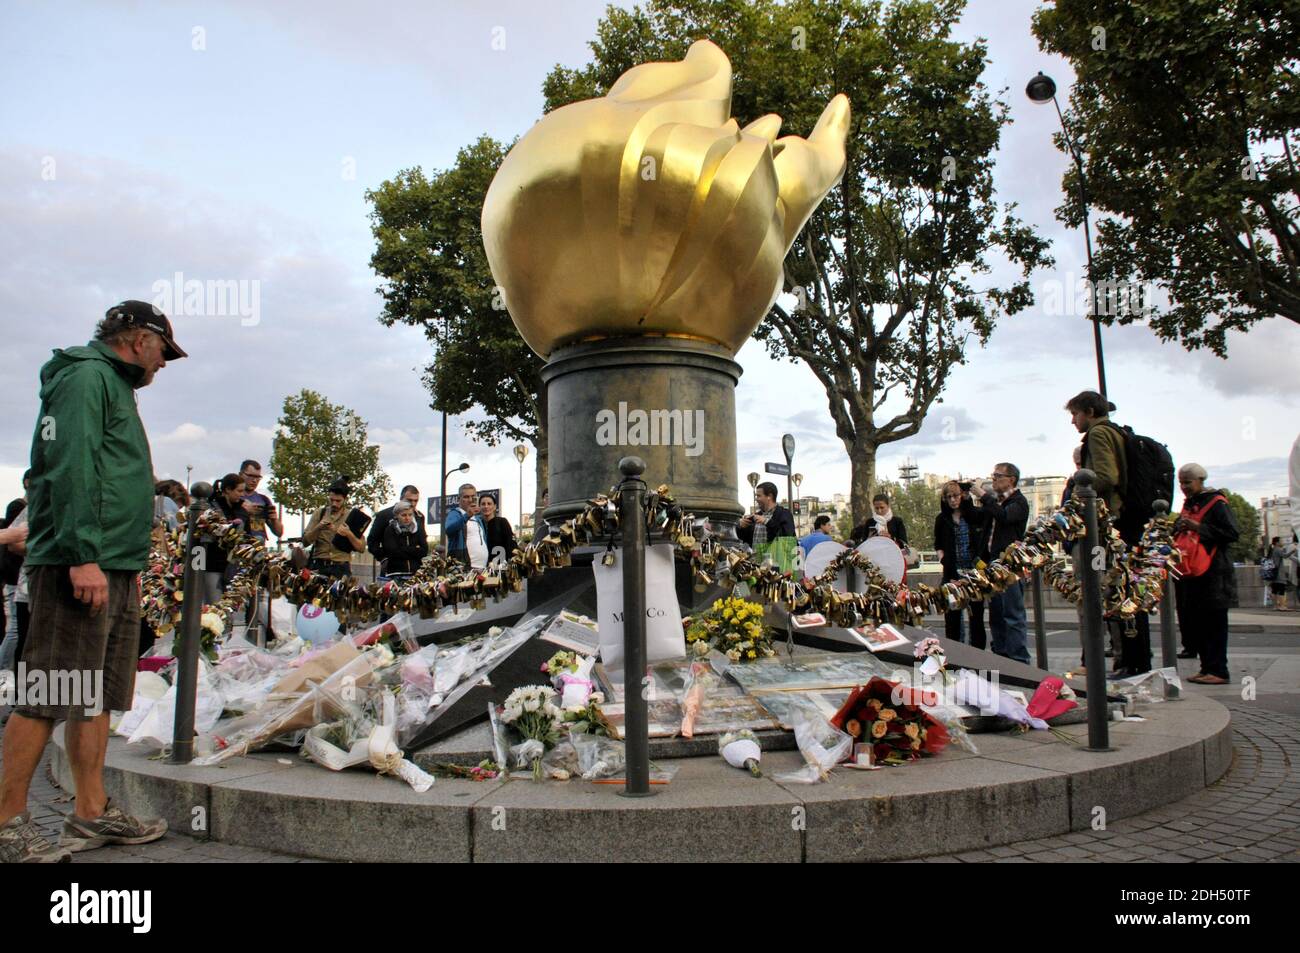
pixel 675 377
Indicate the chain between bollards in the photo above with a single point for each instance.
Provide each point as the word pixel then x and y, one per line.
pixel 186 641
pixel 1094 650
pixel 1040 622
pixel 636 721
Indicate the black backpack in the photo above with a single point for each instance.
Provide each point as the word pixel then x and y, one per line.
pixel 1149 477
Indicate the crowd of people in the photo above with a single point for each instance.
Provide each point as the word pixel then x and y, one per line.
pixel 977 520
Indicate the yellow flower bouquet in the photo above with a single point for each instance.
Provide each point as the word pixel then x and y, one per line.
pixel 734 627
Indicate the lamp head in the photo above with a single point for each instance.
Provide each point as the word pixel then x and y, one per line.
pixel 1041 89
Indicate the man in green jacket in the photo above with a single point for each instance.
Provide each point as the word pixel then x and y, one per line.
pixel 1103 448
pixel 1104 455
pixel 90 509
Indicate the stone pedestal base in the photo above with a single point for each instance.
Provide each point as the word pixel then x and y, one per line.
pixel 669 401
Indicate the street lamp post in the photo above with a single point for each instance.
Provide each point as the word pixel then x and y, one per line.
pixel 1041 90
pixel 520 452
pixel 798 480
pixel 787 447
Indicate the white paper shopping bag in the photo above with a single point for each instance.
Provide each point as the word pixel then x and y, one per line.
pixel 664 636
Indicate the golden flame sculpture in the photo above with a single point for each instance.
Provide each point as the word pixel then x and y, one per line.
pixel 651 212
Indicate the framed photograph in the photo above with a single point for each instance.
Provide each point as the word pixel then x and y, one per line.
pixel 574 632
pixel 810 620
pixel 881 637
pixel 781 705
pixel 811 671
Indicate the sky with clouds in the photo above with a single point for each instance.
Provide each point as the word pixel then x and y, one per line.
pixel 235 141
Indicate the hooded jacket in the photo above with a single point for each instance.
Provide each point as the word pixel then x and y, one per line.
pixel 91 493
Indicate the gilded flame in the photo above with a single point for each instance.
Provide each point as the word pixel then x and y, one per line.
pixel 649 211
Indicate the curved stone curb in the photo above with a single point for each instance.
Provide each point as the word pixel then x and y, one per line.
pixel 1018 787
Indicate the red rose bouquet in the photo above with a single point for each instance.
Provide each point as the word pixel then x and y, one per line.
pixel 889 717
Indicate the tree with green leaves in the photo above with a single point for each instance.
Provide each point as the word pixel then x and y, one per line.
pixel 1185 112
pixel 885 277
pixel 429 251
pixel 1248 545
pixel 318 442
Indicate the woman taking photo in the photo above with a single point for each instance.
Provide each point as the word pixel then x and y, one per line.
pixel 961 538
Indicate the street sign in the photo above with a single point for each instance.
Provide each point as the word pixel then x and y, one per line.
pixel 780 469
pixel 787 446
pixel 435 508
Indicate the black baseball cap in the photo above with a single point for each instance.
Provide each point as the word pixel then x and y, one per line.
pixel 141 314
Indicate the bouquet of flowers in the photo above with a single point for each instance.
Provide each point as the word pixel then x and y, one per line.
pixel 740 750
pixel 559 663
pixel 589 720
pixel 485 770
pixel 734 627
pixel 890 718
pixel 700 680
pixel 531 713
pixel 931 656
pixel 211 628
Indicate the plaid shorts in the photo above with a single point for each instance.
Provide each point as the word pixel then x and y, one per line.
pixel 76 665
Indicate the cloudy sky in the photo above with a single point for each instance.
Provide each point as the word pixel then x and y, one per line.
pixel 234 142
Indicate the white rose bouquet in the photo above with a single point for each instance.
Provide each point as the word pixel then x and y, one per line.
pixel 531 713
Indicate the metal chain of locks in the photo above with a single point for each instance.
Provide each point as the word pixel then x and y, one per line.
pixel 439 582
pixel 1134 579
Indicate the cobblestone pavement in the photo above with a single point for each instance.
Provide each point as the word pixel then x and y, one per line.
pixel 1251 815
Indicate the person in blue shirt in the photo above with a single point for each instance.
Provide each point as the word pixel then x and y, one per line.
pixel 818 535
pixel 457 516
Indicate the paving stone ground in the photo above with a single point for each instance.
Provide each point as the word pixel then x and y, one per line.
pixel 1251 815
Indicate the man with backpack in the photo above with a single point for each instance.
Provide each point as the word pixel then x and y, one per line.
pixel 1132 472
pixel 1203 533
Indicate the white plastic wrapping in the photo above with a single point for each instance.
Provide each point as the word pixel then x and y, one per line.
pixel 822 745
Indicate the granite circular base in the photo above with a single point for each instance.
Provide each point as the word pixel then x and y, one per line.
pixel 1018 787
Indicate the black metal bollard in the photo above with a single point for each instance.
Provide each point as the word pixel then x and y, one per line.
pixel 1168 648
pixel 636 721
pixel 1040 621
pixel 186 643
pixel 1094 649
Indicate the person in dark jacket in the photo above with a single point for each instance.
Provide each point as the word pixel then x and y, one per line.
pixel 883 522
pixel 1207 598
pixel 961 536
pixel 500 534
pixel 405 542
pixel 769 529
pixel 228 500
pixel 375 538
pixel 1008 513
pixel 90 510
